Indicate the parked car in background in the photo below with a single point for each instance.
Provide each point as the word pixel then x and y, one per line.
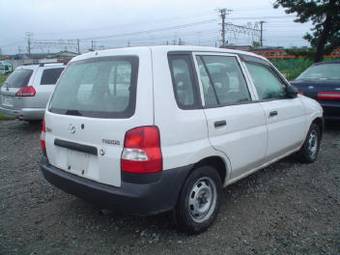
pixel 153 129
pixel 5 67
pixel 26 91
pixel 321 82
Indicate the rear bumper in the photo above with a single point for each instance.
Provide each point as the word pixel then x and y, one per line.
pixel 138 195
pixel 24 113
pixel 331 110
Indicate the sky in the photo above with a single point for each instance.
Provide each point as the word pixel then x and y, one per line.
pixel 56 24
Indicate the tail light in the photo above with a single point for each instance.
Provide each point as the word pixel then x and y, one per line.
pixel 331 95
pixel 142 151
pixel 27 91
pixel 42 138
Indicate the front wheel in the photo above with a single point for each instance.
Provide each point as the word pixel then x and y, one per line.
pixel 199 200
pixel 310 149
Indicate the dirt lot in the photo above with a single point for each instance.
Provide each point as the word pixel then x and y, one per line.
pixel 288 208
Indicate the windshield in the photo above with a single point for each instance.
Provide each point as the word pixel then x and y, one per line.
pixel 99 87
pixel 321 72
pixel 19 78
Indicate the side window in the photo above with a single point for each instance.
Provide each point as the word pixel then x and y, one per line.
pixel 50 76
pixel 185 87
pixel 267 84
pixel 222 80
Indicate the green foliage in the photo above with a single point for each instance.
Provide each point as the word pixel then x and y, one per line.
pixel 2 78
pixel 291 68
pixel 325 17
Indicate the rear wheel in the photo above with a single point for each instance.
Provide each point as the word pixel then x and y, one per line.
pixel 310 149
pixel 34 122
pixel 199 200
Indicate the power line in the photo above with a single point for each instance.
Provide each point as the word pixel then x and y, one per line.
pixel 150 30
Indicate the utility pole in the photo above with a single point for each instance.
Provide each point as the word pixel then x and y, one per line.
pixel 223 12
pixel 261 32
pixel 29 42
pixel 93 45
pixel 78 46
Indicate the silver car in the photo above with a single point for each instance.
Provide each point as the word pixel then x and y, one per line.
pixel 25 93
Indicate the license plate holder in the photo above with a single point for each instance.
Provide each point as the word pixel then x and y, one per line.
pixel 77 161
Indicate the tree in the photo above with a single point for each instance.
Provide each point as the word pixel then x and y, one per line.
pixel 325 17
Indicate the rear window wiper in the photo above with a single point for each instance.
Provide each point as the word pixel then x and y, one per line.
pixel 73 112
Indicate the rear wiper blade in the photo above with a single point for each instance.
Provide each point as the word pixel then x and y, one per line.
pixel 73 112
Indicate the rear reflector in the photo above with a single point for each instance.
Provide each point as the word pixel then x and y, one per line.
pixel 142 151
pixel 27 91
pixel 331 96
pixel 42 138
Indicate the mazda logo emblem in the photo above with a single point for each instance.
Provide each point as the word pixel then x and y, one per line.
pixel 72 129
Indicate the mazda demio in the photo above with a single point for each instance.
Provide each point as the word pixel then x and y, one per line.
pixel 152 129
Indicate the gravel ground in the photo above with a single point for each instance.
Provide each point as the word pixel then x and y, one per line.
pixel 287 208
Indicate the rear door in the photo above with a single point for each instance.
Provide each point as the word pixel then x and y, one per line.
pixel 44 85
pixel 95 102
pixel 21 77
pixel 286 121
pixel 236 124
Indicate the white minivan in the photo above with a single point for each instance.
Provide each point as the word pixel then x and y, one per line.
pixel 151 129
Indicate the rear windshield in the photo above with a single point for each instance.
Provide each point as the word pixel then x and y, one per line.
pixel 321 72
pixel 50 76
pixel 100 87
pixel 19 78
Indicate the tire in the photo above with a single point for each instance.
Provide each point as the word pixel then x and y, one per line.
pixel 310 150
pixel 33 122
pixel 199 200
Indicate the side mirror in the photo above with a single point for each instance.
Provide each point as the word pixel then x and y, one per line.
pixel 291 91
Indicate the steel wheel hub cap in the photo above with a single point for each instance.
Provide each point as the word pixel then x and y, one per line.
pixel 202 199
pixel 313 143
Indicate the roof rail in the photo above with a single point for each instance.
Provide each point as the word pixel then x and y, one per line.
pixel 53 63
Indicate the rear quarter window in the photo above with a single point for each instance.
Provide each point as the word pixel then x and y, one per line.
pixel 50 76
pixel 184 82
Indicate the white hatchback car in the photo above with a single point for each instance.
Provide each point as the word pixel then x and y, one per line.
pixel 26 91
pixel 153 129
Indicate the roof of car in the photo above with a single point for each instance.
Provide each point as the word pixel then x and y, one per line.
pixel 35 66
pixel 328 62
pixel 167 48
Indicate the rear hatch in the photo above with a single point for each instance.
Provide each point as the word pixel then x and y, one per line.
pixel 94 104
pixel 18 79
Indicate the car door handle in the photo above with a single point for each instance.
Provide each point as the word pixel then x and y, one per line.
pixel 220 123
pixel 273 113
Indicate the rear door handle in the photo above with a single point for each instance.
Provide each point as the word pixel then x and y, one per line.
pixel 273 113
pixel 220 123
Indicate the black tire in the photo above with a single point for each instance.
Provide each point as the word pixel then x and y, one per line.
pixel 310 150
pixel 199 186
pixel 34 122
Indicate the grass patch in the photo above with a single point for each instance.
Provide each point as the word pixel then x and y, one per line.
pixel 3 117
pixel 3 77
pixel 292 68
